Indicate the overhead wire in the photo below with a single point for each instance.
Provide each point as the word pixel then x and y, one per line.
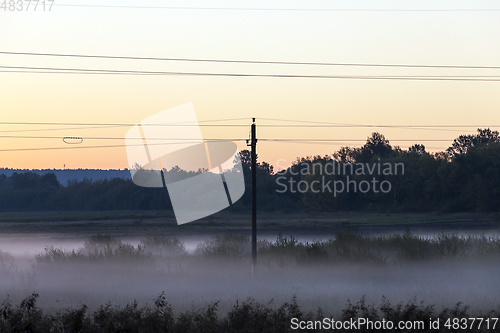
pixel 308 63
pixel 354 143
pixel 310 124
pixel 183 123
pixel 303 123
pixel 107 146
pixel 109 138
pixel 208 74
pixel 306 141
pixel 58 129
pixel 307 123
pixel 332 123
pixel 197 139
pixel 279 9
pixel 72 72
pixel 348 140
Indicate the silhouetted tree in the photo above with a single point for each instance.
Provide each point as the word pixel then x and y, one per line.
pixel 464 143
pixel 417 149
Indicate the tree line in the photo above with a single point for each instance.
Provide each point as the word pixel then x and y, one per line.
pixel 465 177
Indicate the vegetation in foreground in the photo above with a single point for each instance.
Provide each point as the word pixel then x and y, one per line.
pixel 247 316
pixel 165 258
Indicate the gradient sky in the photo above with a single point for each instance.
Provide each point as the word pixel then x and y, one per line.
pixel 391 37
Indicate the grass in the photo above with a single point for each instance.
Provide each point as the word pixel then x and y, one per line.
pixel 58 216
pixel 243 317
pixel 344 219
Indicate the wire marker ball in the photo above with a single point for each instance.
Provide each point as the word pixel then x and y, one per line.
pixel 72 140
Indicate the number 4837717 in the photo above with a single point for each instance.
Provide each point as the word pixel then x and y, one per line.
pixel 26 5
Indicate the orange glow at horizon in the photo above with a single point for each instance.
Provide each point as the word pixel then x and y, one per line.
pixel 468 38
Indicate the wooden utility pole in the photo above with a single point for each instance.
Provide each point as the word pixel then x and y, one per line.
pixel 253 145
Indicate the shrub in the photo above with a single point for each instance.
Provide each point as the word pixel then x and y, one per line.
pixel 97 248
pixel 247 316
pixel 224 246
pixel 164 246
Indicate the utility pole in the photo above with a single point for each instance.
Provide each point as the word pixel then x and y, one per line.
pixel 253 145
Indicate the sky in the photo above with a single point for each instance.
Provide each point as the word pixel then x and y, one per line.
pixel 382 32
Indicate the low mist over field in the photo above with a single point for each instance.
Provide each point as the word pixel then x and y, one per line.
pixel 441 271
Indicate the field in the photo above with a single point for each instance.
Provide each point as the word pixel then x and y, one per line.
pixel 80 269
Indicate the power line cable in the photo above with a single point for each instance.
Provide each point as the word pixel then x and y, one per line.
pixel 84 127
pixel 131 124
pixel 75 72
pixel 366 125
pixel 197 139
pixel 192 124
pixel 351 140
pixel 247 61
pixel 145 73
pixel 317 142
pixel 347 142
pixel 363 126
pixel 111 138
pixel 59 129
pixel 280 9
pixel 107 146
pixel 318 124
pixel 352 77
